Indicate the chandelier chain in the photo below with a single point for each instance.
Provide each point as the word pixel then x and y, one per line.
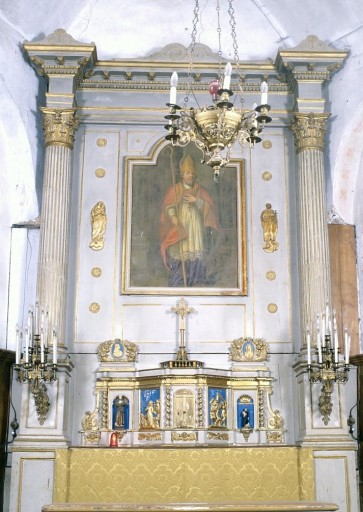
pixel 191 51
pixel 232 22
pixel 219 30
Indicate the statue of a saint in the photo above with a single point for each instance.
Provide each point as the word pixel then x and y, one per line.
pixel 98 223
pixel 270 226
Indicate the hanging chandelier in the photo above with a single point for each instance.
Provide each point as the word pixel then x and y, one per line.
pixel 215 128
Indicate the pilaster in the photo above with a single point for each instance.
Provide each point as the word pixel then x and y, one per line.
pixel 309 131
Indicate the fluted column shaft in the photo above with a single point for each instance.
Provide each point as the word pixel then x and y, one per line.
pixel 315 288
pixel 59 127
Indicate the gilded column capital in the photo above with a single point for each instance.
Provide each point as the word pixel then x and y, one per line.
pixel 59 126
pixel 309 130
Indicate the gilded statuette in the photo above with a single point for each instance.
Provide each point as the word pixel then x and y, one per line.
pixel 98 223
pixel 270 227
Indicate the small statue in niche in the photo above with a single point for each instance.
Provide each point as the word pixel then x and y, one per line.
pixel 151 417
pixel 120 413
pixel 218 411
pixel 98 223
pixel 245 412
pixel 245 418
pixel 270 226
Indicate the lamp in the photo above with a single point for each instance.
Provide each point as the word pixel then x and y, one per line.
pixel 328 366
pixel 31 359
pixel 215 128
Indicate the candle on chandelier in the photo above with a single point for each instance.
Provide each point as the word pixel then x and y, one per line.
pixel 227 76
pixel 173 85
pixel 264 90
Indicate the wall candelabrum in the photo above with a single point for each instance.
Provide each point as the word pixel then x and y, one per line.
pixel 33 363
pixel 326 363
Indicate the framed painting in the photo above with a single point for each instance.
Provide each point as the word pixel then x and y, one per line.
pixel 183 233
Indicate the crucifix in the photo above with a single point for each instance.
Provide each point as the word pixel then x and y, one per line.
pixel 182 310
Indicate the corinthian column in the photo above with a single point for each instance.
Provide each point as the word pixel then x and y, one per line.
pixel 309 131
pixel 59 128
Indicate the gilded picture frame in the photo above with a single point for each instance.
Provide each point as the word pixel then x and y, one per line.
pixel 146 269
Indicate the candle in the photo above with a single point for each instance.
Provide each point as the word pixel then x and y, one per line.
pixel 46 329
pixel 346 346
pixel 173 84
pixel 323 330
pixel 227 76
pixel 336 346
pixel 30 325
pixel 318 342
pixel 26 345
pixel 318 337
pixel 327 311
pixel 55 342
pixel 42 319
pixel 36 326
pixel 17 345
pixel 308 344
pixel 264 90
pixel 42 345
pixel 347 354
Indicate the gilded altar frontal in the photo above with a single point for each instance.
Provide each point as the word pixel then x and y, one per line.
pixel 177 475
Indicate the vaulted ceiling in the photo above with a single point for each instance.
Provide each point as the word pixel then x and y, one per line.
pixel 135 28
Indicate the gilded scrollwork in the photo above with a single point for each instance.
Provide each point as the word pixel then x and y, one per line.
pixel 117 350
pixel 248 350
pixel 274 436
pixel 269 225
pixel 92 437
pixel 90 420
pixel 90 427
pixel 148 436
pixel 184 436
pixel 275 422
pixel 246 432
pixel 41 399
pixel 219 436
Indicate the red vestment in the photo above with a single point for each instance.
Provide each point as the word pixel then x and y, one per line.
pixel 171 234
